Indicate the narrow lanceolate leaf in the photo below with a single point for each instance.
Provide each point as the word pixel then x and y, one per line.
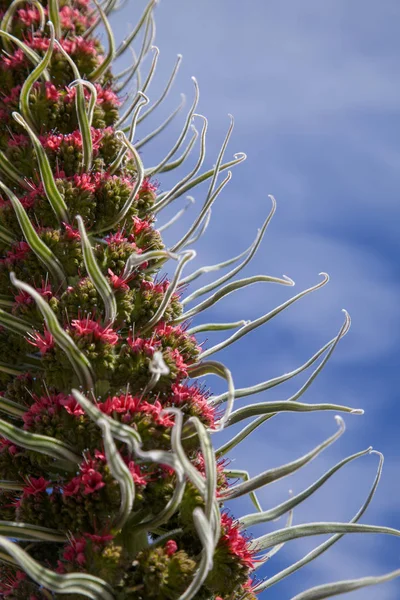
pixel 170 195
pixel 33 78
pixel 206 562
pixel 266 385
pixel 13 323
pixel 135 260
pixel 85 118
pixel 328 543
pixel 72 583
pixel 99 281
pixel 53 195
pixel 241 435
pixel 229 289
pixel 281 509
pixel 131 37
pixel 251 252
pixel 343 587
pixel 104 65
pixel 8 169
pixel 309 529
pixel 27 532
pixel 265 408
pixel 121 473
pixel 265 318
pixel 11 485
pixel 280 472
pixel 77 359
pixel 215 327
pixel 11 408
pixel 92 99
pixel 54 14
pixel 43 252
pixel 38 443
pixel 212 367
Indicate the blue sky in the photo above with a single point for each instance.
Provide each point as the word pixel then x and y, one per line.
pixel 315 92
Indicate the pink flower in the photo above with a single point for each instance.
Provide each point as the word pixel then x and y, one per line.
pixel 137 477
pixel 141 345
pixel 36 486
pixel 42 342
pixel 118 282
pixel 71 233
pixel 72 487
pixel 92 481
pixel 51 91
pixel 71 406
pixel 171 547
pixel 88 327
pixel 234 540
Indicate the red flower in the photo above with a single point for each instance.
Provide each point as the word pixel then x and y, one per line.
pixel 36 486
pixel 171 547
pixel 236 543
pixel 141 345
pixel 88 327
pixel 93 481
pixel 42 342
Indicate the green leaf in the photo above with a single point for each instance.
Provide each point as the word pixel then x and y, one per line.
pixel 121 473
pixel 309 529
pixel 161 127
pixel 253 249
pixel 279 472
pixel 328 543
pixel 77 359
pixel 205 534
pixel 99 281
pixel 153 170
pixel 54 15
pixel 212 367
pixel 43 252
pixel 214 327
pixel 131 37
pixel 33 78
pixel 72 583
pixel 343 587
pixel 8 169
pixel 261 320
pixel 276 512
pixel 265 408
pixel 165 92
pixel 53 195
pixel 11 485
pixel 102 68
pixel 38 443
pixel 28 532
pixel 170 195
pixel 11 408
pixel 229 288
pixel 14 323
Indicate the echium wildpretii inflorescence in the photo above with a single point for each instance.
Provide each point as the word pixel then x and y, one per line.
pixel 109 484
